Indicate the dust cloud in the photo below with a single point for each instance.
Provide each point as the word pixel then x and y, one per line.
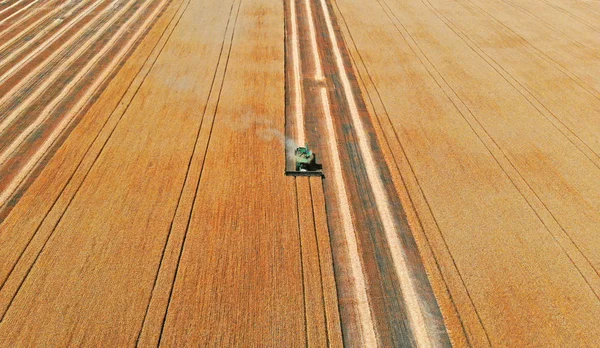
pixel 265 130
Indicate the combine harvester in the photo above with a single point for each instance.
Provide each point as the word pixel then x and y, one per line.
pixel 305 163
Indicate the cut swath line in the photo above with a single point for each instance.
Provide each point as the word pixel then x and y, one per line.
pixel 298 108
pixel 11 6
pixel 360 285
pixel 29 43
pixel 19 11
pixel 16 181
pixel 34 39
pixel 313 42
pixel 25 30
pixel 364 312
pixel 51 79
pixel 413 308
pixel 48 42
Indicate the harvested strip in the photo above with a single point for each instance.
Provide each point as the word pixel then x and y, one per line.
pixel 19 11
pixel 7 151
pixel 12 185
pixel 18 49
pixel 10 32
pixel 65 46
pixel 365 320
pixel 297 87
pixel 9 8
pixel 407 284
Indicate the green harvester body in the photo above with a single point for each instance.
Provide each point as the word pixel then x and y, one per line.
pixel 304 157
